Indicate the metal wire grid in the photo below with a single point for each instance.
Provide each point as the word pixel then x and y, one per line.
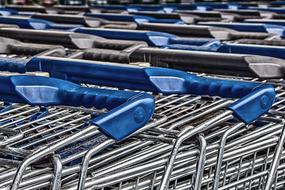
pixel 254 144
pixel 25 129
pixel 143 166
pixel 181 113
pixel 149 179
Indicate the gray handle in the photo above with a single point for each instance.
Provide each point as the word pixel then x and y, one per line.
pixel 210 62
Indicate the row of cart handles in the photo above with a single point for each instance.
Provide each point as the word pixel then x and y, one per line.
pixel 42 22
pixel 133 105
pixel 165 40
pixel 255 98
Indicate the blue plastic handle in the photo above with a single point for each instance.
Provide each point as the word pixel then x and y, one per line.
pixel 248 27
pixel 5 13
pixel 131 110
pixel 266 21
pixel 111 7
pixel 152 38
pixel 37 24
pixel 171 7
pixel 274 10
pixel 194 44
pixel 131 7
pixel 253 96
pixel 10 10
pixel 174 7
pixel 133 18
pixel 264 50
pixel 156 39
pixel 121 17
pixel 154 8
pixel 202 6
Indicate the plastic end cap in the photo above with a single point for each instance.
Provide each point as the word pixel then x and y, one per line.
pixel 255 104
pixel 122 121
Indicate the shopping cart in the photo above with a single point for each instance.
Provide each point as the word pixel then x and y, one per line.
pixel 37 133
pixel 246 154
pixel 153 79
pixel 252 152
pixel 239 174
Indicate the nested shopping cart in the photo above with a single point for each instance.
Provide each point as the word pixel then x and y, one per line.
pixel 173 144
pixel 36 128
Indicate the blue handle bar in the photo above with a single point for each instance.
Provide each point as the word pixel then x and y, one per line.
pixel 274 10
pixel 156 39
pixel 171 7
pixel 152 38
pixel 121 17
pixel 248 27
pixel 111 7
pixel 264 50
pixel 37 24
pixel 132 110
pixel 194 44
pixel 5 13
pixel 253 96
pixel 10 11
pixel 133 18
pixel 266 21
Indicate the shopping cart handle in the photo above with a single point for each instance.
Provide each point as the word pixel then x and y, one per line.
pixel 121 17
pixel 69 19
pixel 267 21
pixel 248 27
pixel 37 24
pixel 157 39
pixel 254 97
pixel 8 11
pixel 194 44
pixel 5 13
pixel 13 65
pixel 152 38
pixel 130 110
pixel 264 50
pixel 274 10
pixel 134 18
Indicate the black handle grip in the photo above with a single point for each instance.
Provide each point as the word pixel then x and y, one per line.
pixel 249 35
pixel 117 44
pixel 177 29
pixel 70 19
pixel 106 55
pixel 33 49
pixel 66 39
pixel 210 62
pixel 261 42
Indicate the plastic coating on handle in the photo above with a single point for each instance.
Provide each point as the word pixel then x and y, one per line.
pixel 131 110
pixel 152 38
pixel 249 27
pixel 130 117
pixel 27 23
pixel 161 80
pixel 253 105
